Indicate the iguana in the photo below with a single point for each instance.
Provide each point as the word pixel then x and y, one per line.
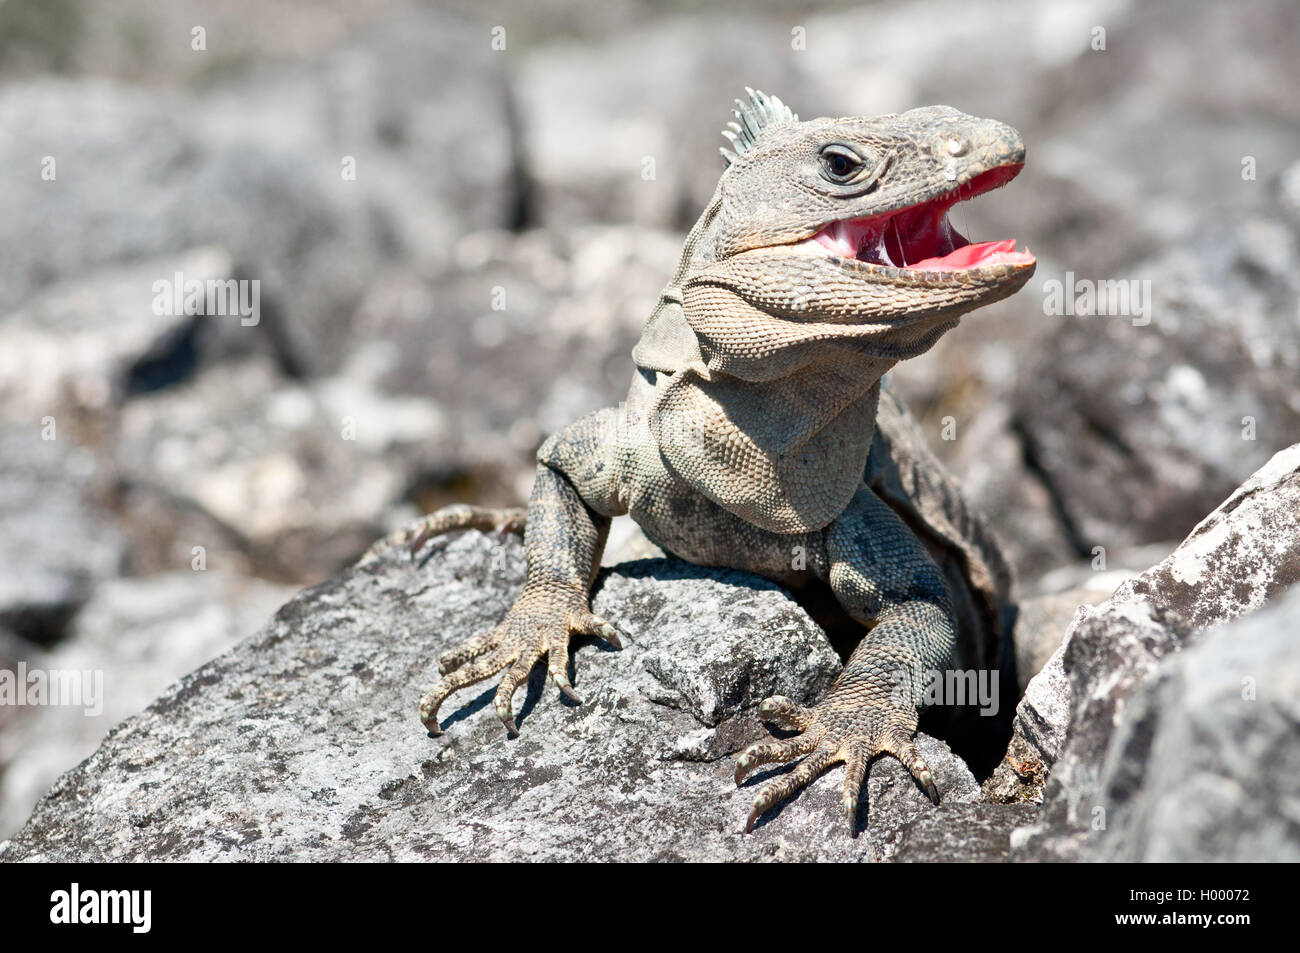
pixel 756 428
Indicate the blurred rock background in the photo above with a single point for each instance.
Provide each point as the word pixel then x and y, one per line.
pixel 200 470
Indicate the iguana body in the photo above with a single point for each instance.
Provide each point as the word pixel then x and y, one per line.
pixel 756 434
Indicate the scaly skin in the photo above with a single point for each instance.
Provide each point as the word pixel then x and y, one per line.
pixel 756 426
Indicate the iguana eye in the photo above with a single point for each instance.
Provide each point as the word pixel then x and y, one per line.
pixel 840 163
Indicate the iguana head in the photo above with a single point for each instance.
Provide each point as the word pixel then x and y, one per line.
pixel 868 198
pixel 825 257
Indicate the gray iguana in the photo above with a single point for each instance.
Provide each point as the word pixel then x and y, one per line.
pixel 756 426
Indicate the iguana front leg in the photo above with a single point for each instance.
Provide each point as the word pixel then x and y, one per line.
pixel 564 534
pixel 883 577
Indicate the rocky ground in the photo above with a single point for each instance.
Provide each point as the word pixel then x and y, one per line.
pixel 166 481
pixel 1151 725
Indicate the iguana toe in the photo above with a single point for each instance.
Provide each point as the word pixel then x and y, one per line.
pixel 785 713
pixel 839 729
pixel 774 752
pixel 467 675
pixel 462 516
pixel 538 625
pixel 449 519
pixel 515 676
pixel 776 791
pixel 899 743
pixel 453 659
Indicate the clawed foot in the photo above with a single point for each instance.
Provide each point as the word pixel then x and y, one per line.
pixel 840 728
pixel 538 624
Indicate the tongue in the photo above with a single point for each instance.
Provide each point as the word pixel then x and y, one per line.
pixel 976 254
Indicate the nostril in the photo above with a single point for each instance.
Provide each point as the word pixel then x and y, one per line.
pixel 1011 146
pixel 957 146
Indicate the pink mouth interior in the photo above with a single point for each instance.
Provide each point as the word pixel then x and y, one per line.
pixel 921 238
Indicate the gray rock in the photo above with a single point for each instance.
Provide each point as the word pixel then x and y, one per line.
pixel 420 100
pixel 56 538
pixel 1041 624
pixel 1240 556
pixel 1037 735
pixel 302 743
pixel 1288 191
pixel 603 146
pixel 1102 573
pixel 1237 558
pixel 141 174
pixel 1043 709
pixel 514 339
pixel 964 833
pixel 314 176
pixel 15 649
pixel 300 475
pixel 1206 765
pixel 83 345
pixel 1043 616
pixel 1138 430
pixel 1068 723
pixel 988 455
pixel 135 637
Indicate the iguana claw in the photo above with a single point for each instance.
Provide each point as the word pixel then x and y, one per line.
pixel 840 728
pixel 538 624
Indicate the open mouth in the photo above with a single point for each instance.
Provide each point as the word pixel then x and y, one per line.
pixel 920 237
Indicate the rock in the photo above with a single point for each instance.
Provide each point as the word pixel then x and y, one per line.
pixel 1100 574
pixel 1070 722
pixel 134 637
pixel 83 345
pixel 1288 190
pixel 340 165
pixel 1103 203
pixel 518 337
pixel 1138 430
pixel 1206 766
pixel 56 538
pixel 138 175
pixel 1042 713
pixel 1239 556
pixel 969 833
pixel 1043 618
pixel 1041 624
pixel 15 649
pixel 302 743
pixel 1037 735
pixel 302 474
pixel 655 161
pixel 419 102
pixel 59 37
pixel 988 455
